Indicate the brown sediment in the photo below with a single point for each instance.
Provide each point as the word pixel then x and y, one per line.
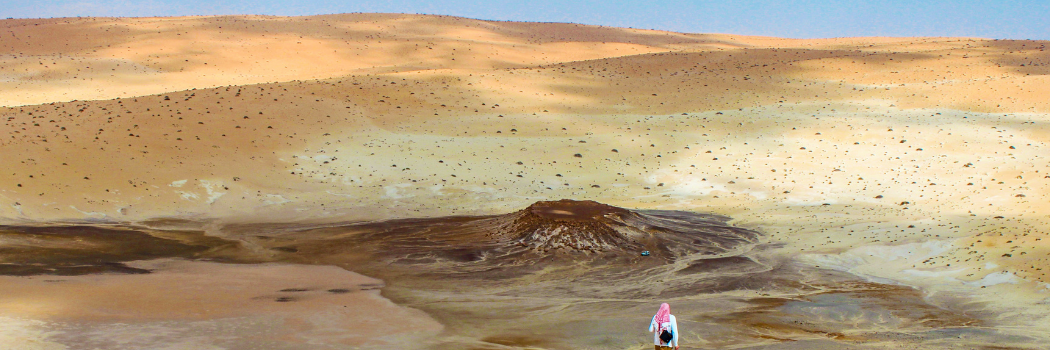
pixel 499 277
pixel 78 250
pixel 718 264
pixel 198 304
pixel 516 340
pixel 548 234
pixel 901 308
pixel 556 274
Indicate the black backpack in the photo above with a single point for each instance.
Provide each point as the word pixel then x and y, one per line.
pixel 666 336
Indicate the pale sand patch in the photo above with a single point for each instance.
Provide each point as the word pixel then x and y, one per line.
pixel 208 305
pixel 905 264
pixel 27 334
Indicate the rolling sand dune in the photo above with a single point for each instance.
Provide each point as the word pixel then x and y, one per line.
pixel 894 173
pixel 94 58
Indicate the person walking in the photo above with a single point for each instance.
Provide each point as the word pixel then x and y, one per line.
pixel 665 329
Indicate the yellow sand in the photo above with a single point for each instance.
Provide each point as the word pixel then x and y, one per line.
pixel 827 145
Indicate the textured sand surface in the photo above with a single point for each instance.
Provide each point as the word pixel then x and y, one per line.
pixel 920 161
pixel 184 304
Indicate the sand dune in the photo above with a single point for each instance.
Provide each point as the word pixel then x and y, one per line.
pixel 101 58
pixel 836 149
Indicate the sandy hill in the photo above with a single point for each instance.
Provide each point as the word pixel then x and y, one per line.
pixel 103 58
pixel 828 145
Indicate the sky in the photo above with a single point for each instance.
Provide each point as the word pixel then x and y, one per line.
pixel 1019 19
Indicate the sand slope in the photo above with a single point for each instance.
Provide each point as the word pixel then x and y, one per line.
pixel 390 132
pixel 102 58
pixel 826 145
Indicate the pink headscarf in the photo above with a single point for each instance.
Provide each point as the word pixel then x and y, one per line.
pixel 662 316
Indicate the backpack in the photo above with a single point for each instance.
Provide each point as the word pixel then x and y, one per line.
pixel 666 336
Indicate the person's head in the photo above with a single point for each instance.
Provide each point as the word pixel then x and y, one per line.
pixel 664 314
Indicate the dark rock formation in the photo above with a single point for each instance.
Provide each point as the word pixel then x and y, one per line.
pixel 573 225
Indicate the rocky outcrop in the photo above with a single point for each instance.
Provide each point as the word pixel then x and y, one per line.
pixel 573 225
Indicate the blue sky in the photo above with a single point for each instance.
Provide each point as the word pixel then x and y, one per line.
pixel 1022 19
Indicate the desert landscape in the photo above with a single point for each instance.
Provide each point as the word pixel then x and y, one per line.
pixel 392 181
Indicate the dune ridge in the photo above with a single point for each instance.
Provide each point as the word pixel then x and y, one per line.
pixel 930 151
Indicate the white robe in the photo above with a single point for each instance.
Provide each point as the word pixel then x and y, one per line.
pixel 673 324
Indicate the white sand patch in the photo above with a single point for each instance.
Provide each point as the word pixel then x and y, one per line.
pixel 212 189
pixel 396 191
pixel 994 279
pixel 689 187
pixel 340 194
pixel 20 333
pixel 178 183
pixel 884 262
pixel 272 199
pixel 698 187
pixel 1012 297
pixel 93 214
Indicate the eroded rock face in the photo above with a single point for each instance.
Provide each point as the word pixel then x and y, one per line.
pixel 590 227
pixel 573 225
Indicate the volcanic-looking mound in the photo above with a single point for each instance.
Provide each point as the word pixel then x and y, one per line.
pixel 564 230
pixel 592 227
pixel 576 225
